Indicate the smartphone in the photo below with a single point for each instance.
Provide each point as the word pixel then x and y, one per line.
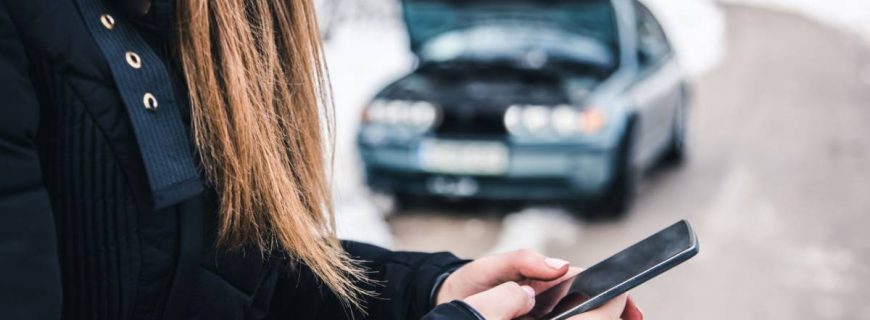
pixel 616 275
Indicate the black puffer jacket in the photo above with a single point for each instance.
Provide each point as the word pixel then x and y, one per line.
pixel 102 212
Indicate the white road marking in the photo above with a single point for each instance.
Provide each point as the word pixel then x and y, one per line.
pixel 742 216
pixel 865 75
pixel 720 216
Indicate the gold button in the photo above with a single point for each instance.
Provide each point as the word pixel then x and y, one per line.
pixel 133 60
pixel 107 21
pixel 149 101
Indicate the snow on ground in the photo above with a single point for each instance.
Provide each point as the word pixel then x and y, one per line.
pixel 536 228
pixel 362 59
pixel 852 16
pixel 696 29
pixel 368 51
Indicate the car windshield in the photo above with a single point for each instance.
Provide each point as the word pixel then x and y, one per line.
pixel 525 46
pixel 530 33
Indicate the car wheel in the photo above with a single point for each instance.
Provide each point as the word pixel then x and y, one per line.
pixel 619 198
pixel 677 153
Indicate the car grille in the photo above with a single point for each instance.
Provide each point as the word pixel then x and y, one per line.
pixel 478 107
pixel 471 120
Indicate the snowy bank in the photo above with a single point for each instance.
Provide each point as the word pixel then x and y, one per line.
pixel 852 16
pixel 697 30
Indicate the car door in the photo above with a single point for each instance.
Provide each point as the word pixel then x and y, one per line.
pixel 656 90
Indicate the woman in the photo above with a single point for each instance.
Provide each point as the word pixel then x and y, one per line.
pixel 166 159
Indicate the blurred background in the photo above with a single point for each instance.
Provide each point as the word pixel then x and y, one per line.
pixel 748 118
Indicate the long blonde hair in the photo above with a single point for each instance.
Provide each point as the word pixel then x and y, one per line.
pixel 260 102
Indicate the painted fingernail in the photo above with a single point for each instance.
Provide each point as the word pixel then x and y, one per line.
pixel 555 263
pixel 529 291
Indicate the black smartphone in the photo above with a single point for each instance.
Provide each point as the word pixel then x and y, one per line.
pixel 617 274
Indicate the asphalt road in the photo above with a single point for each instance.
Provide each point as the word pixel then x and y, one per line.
pixel 778 187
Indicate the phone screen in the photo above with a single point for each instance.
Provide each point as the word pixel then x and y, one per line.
pixel 617 274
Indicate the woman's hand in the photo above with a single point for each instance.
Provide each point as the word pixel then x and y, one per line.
pixel 621 307
pixel 524 267
pixel 504 287
pixel 507 301
pixel 510 301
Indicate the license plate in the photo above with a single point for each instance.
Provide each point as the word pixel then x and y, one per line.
pixel 463 157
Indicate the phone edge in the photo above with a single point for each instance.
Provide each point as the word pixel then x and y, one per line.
pixel 631 283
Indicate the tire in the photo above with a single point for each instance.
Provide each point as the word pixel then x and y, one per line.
pixel 619 197
pixel 402 203
pixel 677 152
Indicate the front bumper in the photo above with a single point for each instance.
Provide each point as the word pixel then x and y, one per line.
pixel 534 172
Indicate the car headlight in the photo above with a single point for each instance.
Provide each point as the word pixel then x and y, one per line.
pixel 535 119
pixel 562 120
pixel 422 114
pixel 419 115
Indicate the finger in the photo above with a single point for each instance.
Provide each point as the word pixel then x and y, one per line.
pixel 526 264
pixel 541 286
pixel 609 311
pixel 632 311
pixel 506 301
pixel 547 300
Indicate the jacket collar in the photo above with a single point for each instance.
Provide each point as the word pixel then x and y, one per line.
pixel 161 136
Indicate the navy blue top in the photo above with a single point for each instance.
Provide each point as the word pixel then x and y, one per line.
pixel 102 212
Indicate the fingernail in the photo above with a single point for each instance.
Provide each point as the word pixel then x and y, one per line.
pixel 529 291
pixel 555 263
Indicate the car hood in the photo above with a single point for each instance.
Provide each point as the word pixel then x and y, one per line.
pixel 489 88
pixel 427 19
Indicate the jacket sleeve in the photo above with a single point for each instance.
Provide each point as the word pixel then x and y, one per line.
pixel 455 310
pixel 29 271
pixel 405 281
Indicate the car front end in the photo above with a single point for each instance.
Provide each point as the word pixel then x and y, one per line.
pixel 510 117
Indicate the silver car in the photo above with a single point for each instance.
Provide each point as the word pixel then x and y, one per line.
pixel 565 101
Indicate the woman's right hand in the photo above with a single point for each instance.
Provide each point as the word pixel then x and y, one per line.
pixel 511 300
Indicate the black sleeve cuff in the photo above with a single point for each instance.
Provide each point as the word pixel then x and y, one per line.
pixel 430 277
pixel 408 279
pixel 438 282
pixel 455 310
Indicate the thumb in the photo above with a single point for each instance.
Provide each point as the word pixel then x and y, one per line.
pixel 506 301
pixel 526 264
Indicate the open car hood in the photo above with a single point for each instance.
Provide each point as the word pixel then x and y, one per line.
pixel 428 19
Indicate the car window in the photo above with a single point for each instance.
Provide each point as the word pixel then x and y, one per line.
pixel 652 44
